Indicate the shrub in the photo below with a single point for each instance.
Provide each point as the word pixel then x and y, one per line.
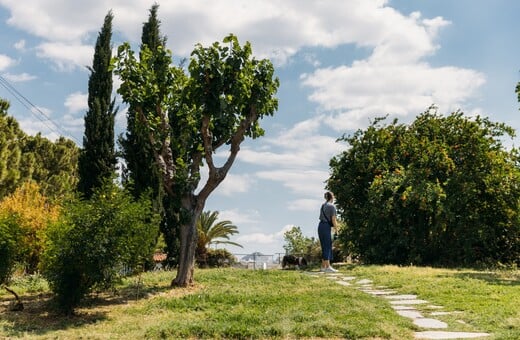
pixel 95 242
pixel 34 213
pixel 9 245
pixel 219 258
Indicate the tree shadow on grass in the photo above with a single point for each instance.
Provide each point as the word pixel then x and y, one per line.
pixel 40 315
pixel 496 278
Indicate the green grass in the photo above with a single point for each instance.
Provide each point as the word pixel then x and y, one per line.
pixel 489 300
pixel 247 304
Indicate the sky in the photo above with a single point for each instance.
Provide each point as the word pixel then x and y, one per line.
pixel 341 64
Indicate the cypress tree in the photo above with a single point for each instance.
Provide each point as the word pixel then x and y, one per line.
pixel 141 170
pixel 97 160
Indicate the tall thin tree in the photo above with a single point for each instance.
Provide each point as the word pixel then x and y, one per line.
pixel 135 145
pixel 97 160
pixel 141 170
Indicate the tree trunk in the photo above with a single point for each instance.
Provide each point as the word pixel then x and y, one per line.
pixel 188 246
pixel 18 305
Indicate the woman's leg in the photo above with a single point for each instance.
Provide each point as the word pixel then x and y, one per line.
pixel 325 243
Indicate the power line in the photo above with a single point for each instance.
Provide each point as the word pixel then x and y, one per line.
pixel 35 111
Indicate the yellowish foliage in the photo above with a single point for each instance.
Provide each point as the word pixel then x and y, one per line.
pixel 34 214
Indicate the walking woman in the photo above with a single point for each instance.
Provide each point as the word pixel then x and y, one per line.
pixel 327 222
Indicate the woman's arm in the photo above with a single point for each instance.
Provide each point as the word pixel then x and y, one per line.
pixel 335 224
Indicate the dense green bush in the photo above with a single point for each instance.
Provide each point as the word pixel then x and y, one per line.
pixel 442 190
pixel 95 242
pixel 10 234
pixel 218 258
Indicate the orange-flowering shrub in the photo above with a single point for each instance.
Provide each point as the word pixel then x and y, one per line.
pixel 34 213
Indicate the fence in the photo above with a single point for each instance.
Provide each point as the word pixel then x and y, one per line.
pixel 258 260
pixel 266 261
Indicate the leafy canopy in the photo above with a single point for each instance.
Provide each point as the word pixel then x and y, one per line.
pixel 442 190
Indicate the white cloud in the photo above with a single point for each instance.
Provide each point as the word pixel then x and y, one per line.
pixel 57 20
pixel 304 204
pixel 303 146
pixel 35 126
pixel 276 29
pixel 66 56
pixel 76 102
pixel 302 182
pixel 19 78
pixel 367 90
pixel 263 238
pixel 239 217
pixel 234 184
pixel 295 158
pixel 20 45
pixel 267 243
pixel 5 62
pixel 72 123
pixel 41 111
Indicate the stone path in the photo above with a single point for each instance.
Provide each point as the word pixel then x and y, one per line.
pixel 405 305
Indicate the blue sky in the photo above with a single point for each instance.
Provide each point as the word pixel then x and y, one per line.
pixel 340 63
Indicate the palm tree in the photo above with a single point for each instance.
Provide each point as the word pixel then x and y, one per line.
pixel 212 232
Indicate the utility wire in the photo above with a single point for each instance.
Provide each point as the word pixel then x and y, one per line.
pixel 35 111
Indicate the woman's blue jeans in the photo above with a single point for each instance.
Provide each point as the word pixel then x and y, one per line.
pixel 325 235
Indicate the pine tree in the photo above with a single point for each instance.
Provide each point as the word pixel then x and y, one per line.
pixel 97 159
pixel 10 151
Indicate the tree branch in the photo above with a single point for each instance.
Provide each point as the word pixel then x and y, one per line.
pixel 164 156
pixel 18 306
pixel 217 175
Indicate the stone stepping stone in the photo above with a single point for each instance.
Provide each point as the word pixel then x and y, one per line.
pixel 402 297
pixel 411 314
pixel 364 282
pixel 380 292
pixel 348 278
pixel 429 323
pixel 343 283
pixel 448 335
pixel 366 287
pixel 403 308
pixel 408 302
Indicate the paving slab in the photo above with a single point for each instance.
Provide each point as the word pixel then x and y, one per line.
pixel 402 297
pixel 429 323
pixel 411 314
pixel 448 335
pixel 343 283
pixel 403 307
pixel 408 302
pixel 349 278
pixel 380 292
pixel 364 282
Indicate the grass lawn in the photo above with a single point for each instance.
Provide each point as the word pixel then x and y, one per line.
pixel 244 304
